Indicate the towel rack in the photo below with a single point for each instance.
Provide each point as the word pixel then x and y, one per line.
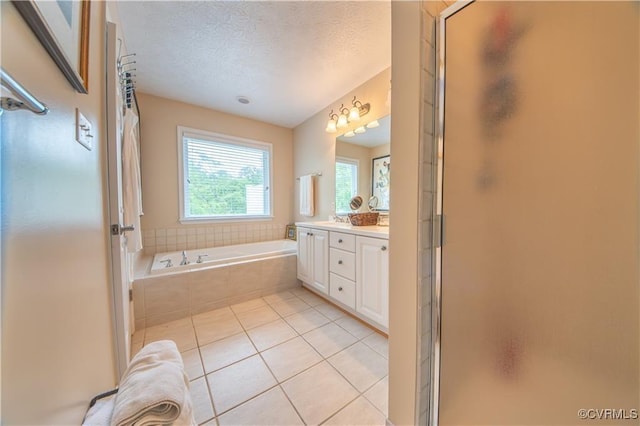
pixel 25 99
pixel 312 174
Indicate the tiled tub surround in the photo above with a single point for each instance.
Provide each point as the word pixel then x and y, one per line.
pixel 161 299
pixel 285 359
pixel 160 240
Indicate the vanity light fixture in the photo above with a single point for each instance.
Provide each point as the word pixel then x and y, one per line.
pixel 331 124
pixel 360 129
pixel 349 134
pixel 346 115
pixel 373 124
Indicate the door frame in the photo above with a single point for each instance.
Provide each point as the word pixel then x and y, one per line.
pixel 439 223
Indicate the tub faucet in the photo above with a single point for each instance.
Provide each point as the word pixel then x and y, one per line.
pixel 200 256
pixel 185 261
pixel 167 263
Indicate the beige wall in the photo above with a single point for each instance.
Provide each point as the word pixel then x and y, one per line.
pixel 406 103
pixel 159 120
pixel 57 346
pixel 314 149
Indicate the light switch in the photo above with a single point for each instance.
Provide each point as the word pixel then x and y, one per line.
pixel 84 132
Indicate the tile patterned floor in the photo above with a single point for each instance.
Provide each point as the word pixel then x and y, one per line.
pixel 288 358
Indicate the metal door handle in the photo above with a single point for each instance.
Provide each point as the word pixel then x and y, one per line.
pixel 117 229
pixel 340 240
pixel 383 248
pixel 339 262
pixel 339 288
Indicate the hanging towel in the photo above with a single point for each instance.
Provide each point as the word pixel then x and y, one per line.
pixel 131 182
pixel 154 389
pixel 307 207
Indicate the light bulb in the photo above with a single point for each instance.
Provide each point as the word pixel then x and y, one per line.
pixel 360 129
pixel 342 121
pixel 354 114
pixel 331 126
pixel 349 134
pixel 373 124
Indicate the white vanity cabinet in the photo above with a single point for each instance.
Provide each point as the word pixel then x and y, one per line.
pixel 355 265
pixel 372 279
pixel 313 258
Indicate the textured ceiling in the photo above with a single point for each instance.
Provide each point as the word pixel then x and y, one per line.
pixel 291 59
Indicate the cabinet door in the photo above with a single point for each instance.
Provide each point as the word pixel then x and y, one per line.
pixel 372 279
pixel 320 260
pixel 304 255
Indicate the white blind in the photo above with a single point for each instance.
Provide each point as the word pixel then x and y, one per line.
pixel 225 178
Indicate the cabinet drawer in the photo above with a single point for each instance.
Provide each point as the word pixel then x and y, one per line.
pixel 343 290
pixel 342 241
pixel 342 263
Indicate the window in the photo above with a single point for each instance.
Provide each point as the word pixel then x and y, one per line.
pixel 223 177
pixel 346 183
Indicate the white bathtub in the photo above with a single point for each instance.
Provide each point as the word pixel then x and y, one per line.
pixel 220 255
pixel 228 275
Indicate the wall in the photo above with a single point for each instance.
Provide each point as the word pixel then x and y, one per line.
pixel 314 149
pixel 57 346
pixel 162 231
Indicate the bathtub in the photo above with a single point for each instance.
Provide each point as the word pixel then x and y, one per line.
pixel 226 276
pixel 204 258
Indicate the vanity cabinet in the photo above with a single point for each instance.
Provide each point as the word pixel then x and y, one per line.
pixel 357 268
pixel 372 279
pixel 313 258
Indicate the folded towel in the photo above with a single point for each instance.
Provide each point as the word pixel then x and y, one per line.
pixel 100 413
pixel 154 389
pixel 306 196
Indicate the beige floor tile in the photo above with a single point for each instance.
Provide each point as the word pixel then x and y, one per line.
pixel 329 339
pixel 289 306
pixel 192 363
pixel 359 413
pixel 271 334
pixel 306 320
pixel 270 408
pixel 202 408
pixel 278 297
pixel 212 422
pixel 297 291
pixel 361 365
pixel 239 382
pixel 319 393
pixel 210 331
pixel 310 298
pixel 248 305
pixel 355 327
pixel 330 311
pixel 180 331
pixel 290 358
pixel 378 343
pixel 213 316
pixel 378 395
pixel 257 317
pixel 226 351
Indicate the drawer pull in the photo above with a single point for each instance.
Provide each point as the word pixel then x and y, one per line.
pixel 383 248
pixel 340 240
pixel 339 288
pixel 339 262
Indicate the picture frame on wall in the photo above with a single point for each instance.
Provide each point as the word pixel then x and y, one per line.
pixel 63 30
pixel 380 180
pixel 290 233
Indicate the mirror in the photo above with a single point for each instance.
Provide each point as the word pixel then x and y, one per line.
pixel 355 157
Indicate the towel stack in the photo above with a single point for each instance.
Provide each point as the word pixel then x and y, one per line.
pixel 153 391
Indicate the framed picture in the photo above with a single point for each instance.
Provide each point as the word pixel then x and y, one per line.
pixel 291 232
pixel 380 179
pixel 63 29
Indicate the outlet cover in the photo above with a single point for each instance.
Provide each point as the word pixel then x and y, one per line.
pixel 84 132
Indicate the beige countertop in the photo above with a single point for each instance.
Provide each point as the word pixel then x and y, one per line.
pixel 367 231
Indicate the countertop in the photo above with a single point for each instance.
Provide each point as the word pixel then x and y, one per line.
pixel 367 231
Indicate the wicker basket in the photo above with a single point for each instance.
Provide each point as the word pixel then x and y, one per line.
pixel 364 219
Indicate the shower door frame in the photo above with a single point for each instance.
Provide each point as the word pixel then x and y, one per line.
pixel 439 224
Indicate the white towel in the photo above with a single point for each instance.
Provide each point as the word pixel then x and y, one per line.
pixel 154 389
pixel 131 181
pixel 307 207
pixel 100 413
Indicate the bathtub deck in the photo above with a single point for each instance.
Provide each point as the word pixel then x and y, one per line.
pixel 286 358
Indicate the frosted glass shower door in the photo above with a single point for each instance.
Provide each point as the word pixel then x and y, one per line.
pixel 539 274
